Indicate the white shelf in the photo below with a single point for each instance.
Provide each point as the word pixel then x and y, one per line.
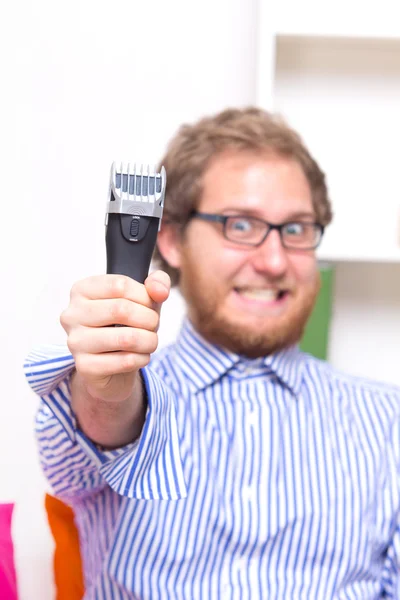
pixel 337 256
pixel 292 29
pixel 343 96
pixel 341 18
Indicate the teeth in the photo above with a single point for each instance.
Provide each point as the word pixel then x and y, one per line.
pixel 258 294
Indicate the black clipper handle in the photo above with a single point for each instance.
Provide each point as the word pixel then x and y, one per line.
pixel 130 242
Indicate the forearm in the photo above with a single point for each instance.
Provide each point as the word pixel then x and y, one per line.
pixel 74 465
pixel 107 423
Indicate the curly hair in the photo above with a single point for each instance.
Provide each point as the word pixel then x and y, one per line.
pixel 248 129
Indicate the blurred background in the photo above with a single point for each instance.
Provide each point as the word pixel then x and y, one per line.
pixel 88 82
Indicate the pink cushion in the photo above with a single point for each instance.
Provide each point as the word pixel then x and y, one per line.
pixel 8 579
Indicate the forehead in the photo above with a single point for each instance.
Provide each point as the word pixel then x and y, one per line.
pixel 265 184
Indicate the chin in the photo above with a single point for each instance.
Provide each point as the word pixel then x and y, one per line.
pixel 249 330
pixel 253 340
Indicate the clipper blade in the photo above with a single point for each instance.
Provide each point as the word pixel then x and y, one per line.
pixel 136 190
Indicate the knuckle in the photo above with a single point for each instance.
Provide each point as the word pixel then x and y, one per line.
pixel 153 343
pixel 67 318
pixel 124 338
pixel 64 318
pixel 144 360
pixel 128 362
pixel 81 363
pixel 75 289
pixel 156 320
pixel 119 311
pixel 72 342
pixel 118 286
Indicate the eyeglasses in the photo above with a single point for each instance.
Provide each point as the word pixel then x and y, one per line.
pixel 251 231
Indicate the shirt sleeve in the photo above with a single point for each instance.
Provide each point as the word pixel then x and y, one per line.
pixel 391 567
pixel 149 468
pixel 391 578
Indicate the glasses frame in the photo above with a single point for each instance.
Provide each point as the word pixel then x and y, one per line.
pixel 215 218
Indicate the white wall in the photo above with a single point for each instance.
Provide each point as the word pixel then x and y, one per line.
pixel 87 82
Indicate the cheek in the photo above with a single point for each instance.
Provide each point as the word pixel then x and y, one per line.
pixel 304 268
pixel 220 263
pixel 229 263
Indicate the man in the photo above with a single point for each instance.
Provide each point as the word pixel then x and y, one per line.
pixel 233 465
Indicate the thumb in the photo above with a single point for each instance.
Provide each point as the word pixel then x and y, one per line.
pixel 158 286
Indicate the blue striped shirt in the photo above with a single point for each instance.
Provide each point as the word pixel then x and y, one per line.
pixel 273 478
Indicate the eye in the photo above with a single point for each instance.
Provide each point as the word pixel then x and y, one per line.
pixel 245 230
pixel 295 229
pixel 240 225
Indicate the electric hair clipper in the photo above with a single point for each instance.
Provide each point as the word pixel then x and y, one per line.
pixel 133 218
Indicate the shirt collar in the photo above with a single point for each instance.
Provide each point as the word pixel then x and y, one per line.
pixel 288 365
pixel 204 363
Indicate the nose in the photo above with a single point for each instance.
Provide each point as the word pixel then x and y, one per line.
pixel 271 257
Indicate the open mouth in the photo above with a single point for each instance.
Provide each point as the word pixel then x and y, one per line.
pixel 262 294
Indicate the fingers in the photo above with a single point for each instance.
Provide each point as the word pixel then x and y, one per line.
pixel 111 286
pixel 87 340
pixel 115 299
pixel 102 351
pixel 158 286
pixel 100 313
pixel 95 366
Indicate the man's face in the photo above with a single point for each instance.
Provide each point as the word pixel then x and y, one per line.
pixel 250 300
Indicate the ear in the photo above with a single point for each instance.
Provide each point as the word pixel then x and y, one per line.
pixel 169 241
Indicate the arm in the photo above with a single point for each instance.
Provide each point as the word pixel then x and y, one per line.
pixel 75 466
pixel 95 426
pixel 106 387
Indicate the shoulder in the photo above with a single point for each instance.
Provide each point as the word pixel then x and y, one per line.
pixel 162 357
pixel 337 383
pixel 362 409
pixel 169 365
pixel 165 365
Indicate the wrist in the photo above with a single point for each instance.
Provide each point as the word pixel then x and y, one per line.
pixel 109 423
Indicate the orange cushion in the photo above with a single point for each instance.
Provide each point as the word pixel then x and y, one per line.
pixel 68 574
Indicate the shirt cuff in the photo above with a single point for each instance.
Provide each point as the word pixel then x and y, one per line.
pixel 149 468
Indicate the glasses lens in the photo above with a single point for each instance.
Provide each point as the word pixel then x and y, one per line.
pixel 245 230
pixel 301 235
